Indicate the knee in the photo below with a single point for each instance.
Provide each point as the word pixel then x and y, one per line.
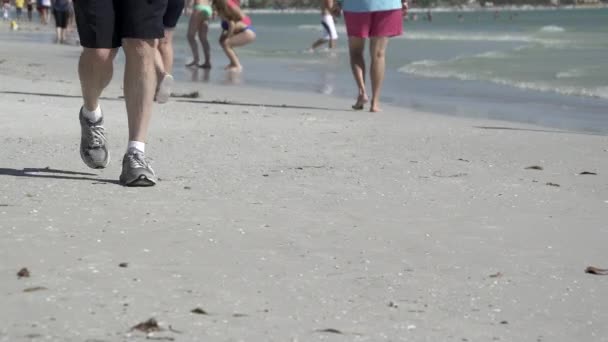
pixel 139 48
pixel 99 56
pixel 223 42
pixel 356 53
pixel 378 54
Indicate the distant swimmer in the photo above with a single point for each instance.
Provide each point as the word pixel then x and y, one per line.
pixel 329 10
pixel 460 17
pixel 429 16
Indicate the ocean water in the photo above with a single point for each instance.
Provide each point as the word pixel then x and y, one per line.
pixel 548 67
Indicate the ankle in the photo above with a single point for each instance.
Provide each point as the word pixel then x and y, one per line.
pixel 136 145
pixel 92 115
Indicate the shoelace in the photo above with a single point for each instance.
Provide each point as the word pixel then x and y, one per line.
pixel 96 136
pixel 137 160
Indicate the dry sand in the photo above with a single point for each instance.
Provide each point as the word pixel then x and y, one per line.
pixel 281 222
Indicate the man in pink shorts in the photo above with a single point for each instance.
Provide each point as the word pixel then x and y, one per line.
pixel 377 20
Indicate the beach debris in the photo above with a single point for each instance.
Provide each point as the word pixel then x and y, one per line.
pixel 187 188
pixel 34 335
pixel 330 330
pixel 588 173
pixel 23 273
pixel 464 160
pixel 534 167
pixel 504 322
pixel 265 175
pixel 123 264
pixel 553 184
pixel 160 338
pixel 3 205
pixel 199 311
pixel 171 329
pixel 148 326
pixel 190 95
pixel 35 288
pixel 239 315
pixel 596 271
pixel 496 275
pixel 392 304
pixel 455 175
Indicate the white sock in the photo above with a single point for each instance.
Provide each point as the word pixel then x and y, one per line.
pixel 138 145
pixel 93 116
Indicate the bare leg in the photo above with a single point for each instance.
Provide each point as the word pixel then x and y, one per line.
pixel 202 36
pixel 165 47
pixel 191 35
pixel 318 43
pixel 159 64
pixel 139 85
pixel 228 44
pixel 357 64
pixel 377 52
pixel 95 70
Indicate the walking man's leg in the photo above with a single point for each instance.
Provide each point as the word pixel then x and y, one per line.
pixel 142 24
pixel 95 70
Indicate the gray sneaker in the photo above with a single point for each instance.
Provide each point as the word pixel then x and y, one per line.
pixel 136 170
pixel 93 150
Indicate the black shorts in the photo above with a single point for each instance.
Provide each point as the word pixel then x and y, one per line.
pixel 102 24
pixel 61 18
pixel 173 12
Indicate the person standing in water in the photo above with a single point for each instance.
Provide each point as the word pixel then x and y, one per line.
pixel 164 52
pixel 199 25
pixel 376 20
pixel 237 31
pixel 328 25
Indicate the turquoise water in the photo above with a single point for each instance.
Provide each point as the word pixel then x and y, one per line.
pixel 548 67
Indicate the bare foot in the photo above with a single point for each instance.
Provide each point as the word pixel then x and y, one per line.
pixel 191 64
pixel 205 66
pixel 374 107
pixel 361 101
pixel 233 68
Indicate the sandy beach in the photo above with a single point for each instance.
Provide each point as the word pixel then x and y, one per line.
pixel 283 216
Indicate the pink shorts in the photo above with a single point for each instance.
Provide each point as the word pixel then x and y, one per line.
pixel 374 24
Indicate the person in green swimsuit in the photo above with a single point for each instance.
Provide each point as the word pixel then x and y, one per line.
pixel 199 24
